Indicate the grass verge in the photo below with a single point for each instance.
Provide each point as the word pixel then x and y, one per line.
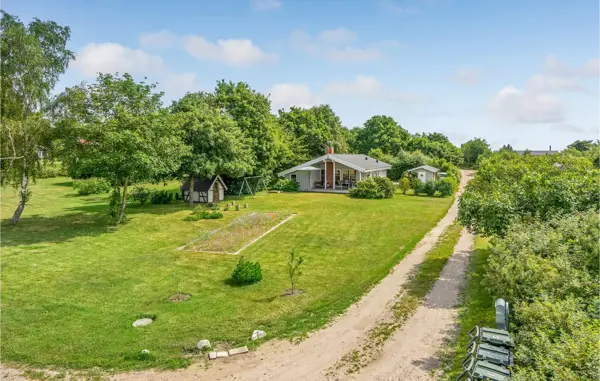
pixel 410 299
pixel 477 308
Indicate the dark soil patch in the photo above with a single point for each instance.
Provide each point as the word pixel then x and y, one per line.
pixel 179 297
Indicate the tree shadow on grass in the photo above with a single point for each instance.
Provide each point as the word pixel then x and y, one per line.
pixel 40 229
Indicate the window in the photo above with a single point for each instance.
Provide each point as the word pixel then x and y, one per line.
pixel 293 177
pixel 322 175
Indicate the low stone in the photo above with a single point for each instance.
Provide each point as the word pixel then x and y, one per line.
pixel 142 322
pixel 258 334
pixel 212 355
pixel 222 354
pixel 203 344
pixel 237 351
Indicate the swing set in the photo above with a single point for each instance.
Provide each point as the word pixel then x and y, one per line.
pixel 246 184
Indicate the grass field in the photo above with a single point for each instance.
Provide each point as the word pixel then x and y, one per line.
pixel 477 305
pixel 72 285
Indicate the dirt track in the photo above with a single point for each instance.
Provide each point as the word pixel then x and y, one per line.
pixel 408 355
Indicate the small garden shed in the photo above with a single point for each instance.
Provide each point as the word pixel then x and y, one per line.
pixel 205 190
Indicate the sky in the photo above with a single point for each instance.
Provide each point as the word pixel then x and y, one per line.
pixel 519 72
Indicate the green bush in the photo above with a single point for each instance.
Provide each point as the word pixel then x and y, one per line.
pixel 141 195
pixel 50 169
pixel 246 272
pixel 386 186
pixel 429 188
pixel 93 185
pixel 161 197
pixel 416 185
pixel 200 213
pixel 445 186
pixel 404 184
pixel 286 185
pixel 366 189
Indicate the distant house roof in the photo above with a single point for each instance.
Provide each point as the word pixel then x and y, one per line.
pixel 202 184
pixel 536 152
pixel 428 168
pixel 359 162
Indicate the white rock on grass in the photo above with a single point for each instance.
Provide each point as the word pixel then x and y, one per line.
pixel 203 344
pixel 142 322
pixel 258 334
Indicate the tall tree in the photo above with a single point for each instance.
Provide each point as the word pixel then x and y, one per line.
pixel 383 132
pixel 582 145
pixel 473 149
pixel 33 58
pixel 117 129
pixel 314 127
pixel 251 111
pixel 217 145
pixel 436 145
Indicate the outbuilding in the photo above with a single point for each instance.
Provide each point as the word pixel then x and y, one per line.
pixel 426 173
pixel 205 190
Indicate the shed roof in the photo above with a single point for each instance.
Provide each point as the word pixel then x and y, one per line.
pixel 202 184
pixel 428 168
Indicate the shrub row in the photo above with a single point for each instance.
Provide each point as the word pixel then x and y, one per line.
pixel 93 185
pixel 286 185
pixel 373 188
pixel 446 186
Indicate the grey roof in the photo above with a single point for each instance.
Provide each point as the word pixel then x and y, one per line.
pixel 425 167
pixel 537 152
pixel 202 185
pixel 362 161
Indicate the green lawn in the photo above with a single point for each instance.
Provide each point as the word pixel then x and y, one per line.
pixel 477 306
pixel 72 285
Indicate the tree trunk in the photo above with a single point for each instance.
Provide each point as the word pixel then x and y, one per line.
pixel 123 201
pixel 191 192
pixel 22 197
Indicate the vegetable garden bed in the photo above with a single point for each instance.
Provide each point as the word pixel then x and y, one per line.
pixel 238 234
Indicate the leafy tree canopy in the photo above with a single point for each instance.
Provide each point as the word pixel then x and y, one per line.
pixel 509 188
pixel 583 145
pixel 33 58
pixel 382 132
pixel 117 129
pixel 473 149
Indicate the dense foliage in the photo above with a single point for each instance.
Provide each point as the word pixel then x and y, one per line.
pixel 246 272
pixel 286 185
pixel 550 272
pixel 473 149
pixel 117 129
pixel 509 188
pixel 93 185
pixel 33 58
pixel 373 188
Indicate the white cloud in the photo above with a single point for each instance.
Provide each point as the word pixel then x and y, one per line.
pixel 175 85
pixel 231 52
pixel 351 54
pixel 467 75
pixel 554 67
pixel 364 86
pixel 541 83
pixel 265 5
pixel 336 36
pixel 333 46
pixel 369 87
pixel 161 39
pixel 111 57
pixel 285 95
pixel 517 106
pixel 591 68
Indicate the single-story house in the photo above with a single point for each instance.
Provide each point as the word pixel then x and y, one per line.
pixel 427 173
pixel 205 190
pixel 335 172
pixel 536 152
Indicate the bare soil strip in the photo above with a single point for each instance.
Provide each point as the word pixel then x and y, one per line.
pixel 407 356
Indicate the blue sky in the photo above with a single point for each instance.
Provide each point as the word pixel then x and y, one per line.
pixel 519 72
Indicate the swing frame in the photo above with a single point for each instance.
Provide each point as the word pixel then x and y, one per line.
pixel 247 184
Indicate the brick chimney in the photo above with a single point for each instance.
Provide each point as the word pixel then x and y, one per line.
pixel 329 150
